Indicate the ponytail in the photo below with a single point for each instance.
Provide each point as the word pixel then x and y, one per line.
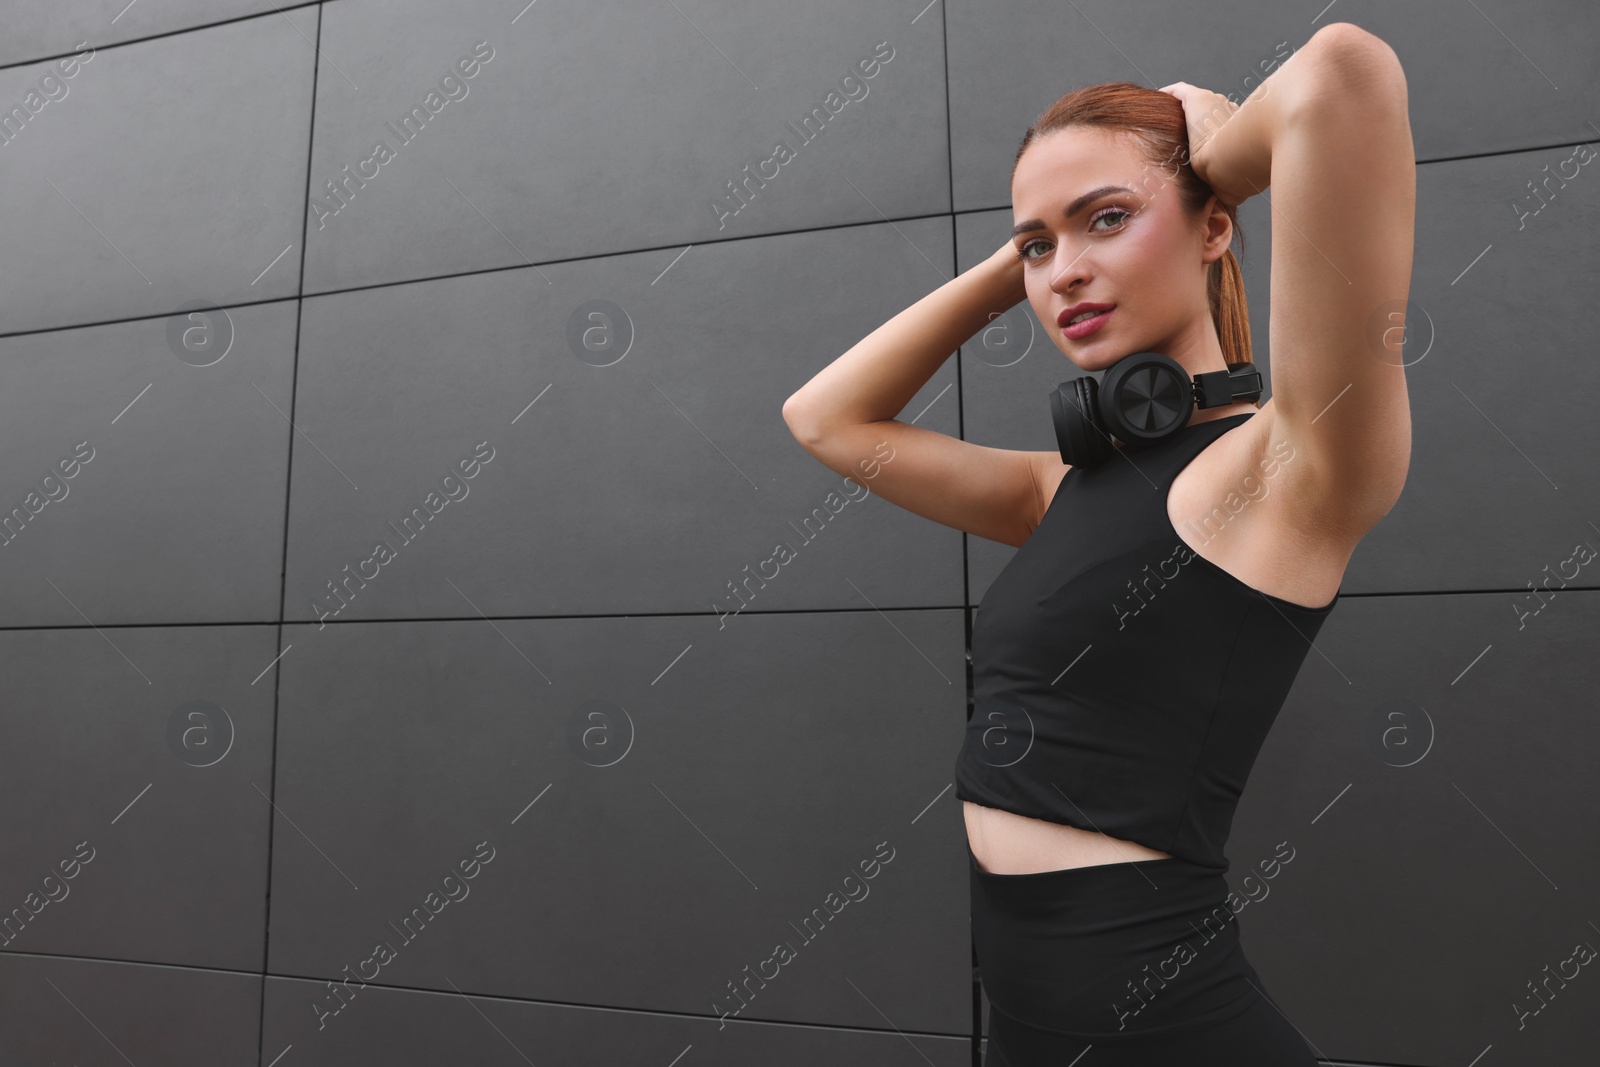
pixel 1230 309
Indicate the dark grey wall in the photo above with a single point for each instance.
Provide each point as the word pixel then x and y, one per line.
pixel 539 726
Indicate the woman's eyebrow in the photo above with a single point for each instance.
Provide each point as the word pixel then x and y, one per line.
pixel 1072 208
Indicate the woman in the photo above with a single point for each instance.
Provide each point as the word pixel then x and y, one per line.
pixel 1107 749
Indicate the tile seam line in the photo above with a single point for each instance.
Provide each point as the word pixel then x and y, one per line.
pixel 200 27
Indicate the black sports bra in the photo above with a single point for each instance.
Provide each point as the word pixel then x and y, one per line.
pixel 1121 682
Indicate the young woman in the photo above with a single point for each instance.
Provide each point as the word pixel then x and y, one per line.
pixel 1132 656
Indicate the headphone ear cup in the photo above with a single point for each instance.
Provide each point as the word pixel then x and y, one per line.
pixel 1148 398
pixel 1080 434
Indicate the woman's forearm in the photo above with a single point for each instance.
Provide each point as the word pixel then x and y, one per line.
pixel 880 374
pixel 1239 152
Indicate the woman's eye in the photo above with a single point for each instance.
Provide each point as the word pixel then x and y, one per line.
pixel 1111 211
pixel 1121 216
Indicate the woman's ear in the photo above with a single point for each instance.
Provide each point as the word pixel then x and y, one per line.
pixel 1217 231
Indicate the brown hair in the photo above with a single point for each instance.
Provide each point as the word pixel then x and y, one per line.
pixel 1155 122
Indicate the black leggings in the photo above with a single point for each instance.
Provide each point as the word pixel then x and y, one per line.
pixel 1137 963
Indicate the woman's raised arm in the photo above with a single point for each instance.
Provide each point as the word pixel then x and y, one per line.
pixel 1332 136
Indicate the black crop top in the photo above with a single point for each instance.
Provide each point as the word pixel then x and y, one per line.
pixel 1121 682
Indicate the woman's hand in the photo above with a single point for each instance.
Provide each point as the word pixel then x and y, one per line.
pixel 1205 112
pixel 1011 268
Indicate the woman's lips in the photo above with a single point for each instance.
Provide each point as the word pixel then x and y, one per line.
pixel 1079 330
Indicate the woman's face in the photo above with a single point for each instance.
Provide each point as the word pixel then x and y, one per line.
pixel 1134 248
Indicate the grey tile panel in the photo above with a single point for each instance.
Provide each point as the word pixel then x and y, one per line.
pixel 159 174
pixel 144 468
pixel 138 771
pixel 584 466
pixel 644 808
pixel 1427 773
pixel 543 133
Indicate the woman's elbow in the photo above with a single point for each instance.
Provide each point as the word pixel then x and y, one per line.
pixel 1348 65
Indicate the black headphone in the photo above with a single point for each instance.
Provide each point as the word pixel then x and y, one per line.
pixel 1149 398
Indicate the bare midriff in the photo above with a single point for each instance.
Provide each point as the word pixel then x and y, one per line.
pixel 1007 843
